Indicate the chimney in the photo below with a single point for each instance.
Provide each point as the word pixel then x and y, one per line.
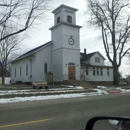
pixel 84 50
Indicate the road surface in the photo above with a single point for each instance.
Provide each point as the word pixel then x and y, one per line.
pixel 62 114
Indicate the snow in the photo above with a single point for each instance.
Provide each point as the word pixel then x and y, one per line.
pixel 76 87
pixel 35 98
pixel 35 92
pixel 123 90
pixel 79 87
pixel 70 86
pixel 102 87
pixel 100 90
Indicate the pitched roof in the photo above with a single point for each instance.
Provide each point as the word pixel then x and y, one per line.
pixel 31 51
pixel 86 56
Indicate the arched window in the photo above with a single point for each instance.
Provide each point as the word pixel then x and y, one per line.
pixel 45 68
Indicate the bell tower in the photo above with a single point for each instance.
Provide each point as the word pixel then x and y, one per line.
pixel 65 44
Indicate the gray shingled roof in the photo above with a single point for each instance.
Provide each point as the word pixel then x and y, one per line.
pixel 31 51
pixel 86 56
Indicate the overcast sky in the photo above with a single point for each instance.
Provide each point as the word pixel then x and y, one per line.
pixel 89 36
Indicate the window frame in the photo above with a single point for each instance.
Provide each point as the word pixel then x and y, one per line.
pixel 95 59
pixel 58 19
pixel 45 68
pixel 97 71
pixel 94 71
pixel 108 72
pixel 69 19
pixel 98 59
pixel 101 71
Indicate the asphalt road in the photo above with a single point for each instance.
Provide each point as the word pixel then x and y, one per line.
pixel 62 114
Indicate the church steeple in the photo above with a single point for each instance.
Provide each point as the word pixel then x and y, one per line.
pixel 65 14
pixel 65 44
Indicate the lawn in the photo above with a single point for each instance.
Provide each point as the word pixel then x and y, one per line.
pixel 28 87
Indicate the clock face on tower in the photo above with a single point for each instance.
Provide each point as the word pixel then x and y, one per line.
pixel 71 40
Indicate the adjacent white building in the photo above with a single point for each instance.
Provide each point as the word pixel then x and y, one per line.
pixel 94 69
pixel 61 56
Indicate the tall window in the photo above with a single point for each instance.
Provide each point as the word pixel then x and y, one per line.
pixel 58 19
pixel 15 71
pixel 107 71
pixel 98 60
pixel 93 70
pixel 27 70
pixel 45 68
pixel 101 72
pixel 97 71
pixel 87 73
pixel 20 71
pixel 69 19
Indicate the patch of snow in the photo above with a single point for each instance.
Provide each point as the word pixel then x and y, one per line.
pixel 55 89
pixel 123 90
pixel 35 98
pixel 101 87
pixel 34 92
pixel 13 91
pixel 79 87
pixel 93 94
pixel 101 91
pixel 70 86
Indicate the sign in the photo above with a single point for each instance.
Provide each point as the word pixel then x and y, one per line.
pixel 49 77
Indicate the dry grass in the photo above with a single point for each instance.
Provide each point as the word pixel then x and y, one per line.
pixel 26 87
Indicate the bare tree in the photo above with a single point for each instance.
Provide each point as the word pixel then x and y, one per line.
pixel 112 17
pixel 16 16
pixel 21 14
pixel 7 47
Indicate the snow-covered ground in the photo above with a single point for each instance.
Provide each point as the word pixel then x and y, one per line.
pixel 100 90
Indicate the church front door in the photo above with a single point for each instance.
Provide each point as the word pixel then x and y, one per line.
pixel 71 72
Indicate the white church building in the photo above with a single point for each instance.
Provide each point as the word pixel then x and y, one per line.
pixel 61 56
